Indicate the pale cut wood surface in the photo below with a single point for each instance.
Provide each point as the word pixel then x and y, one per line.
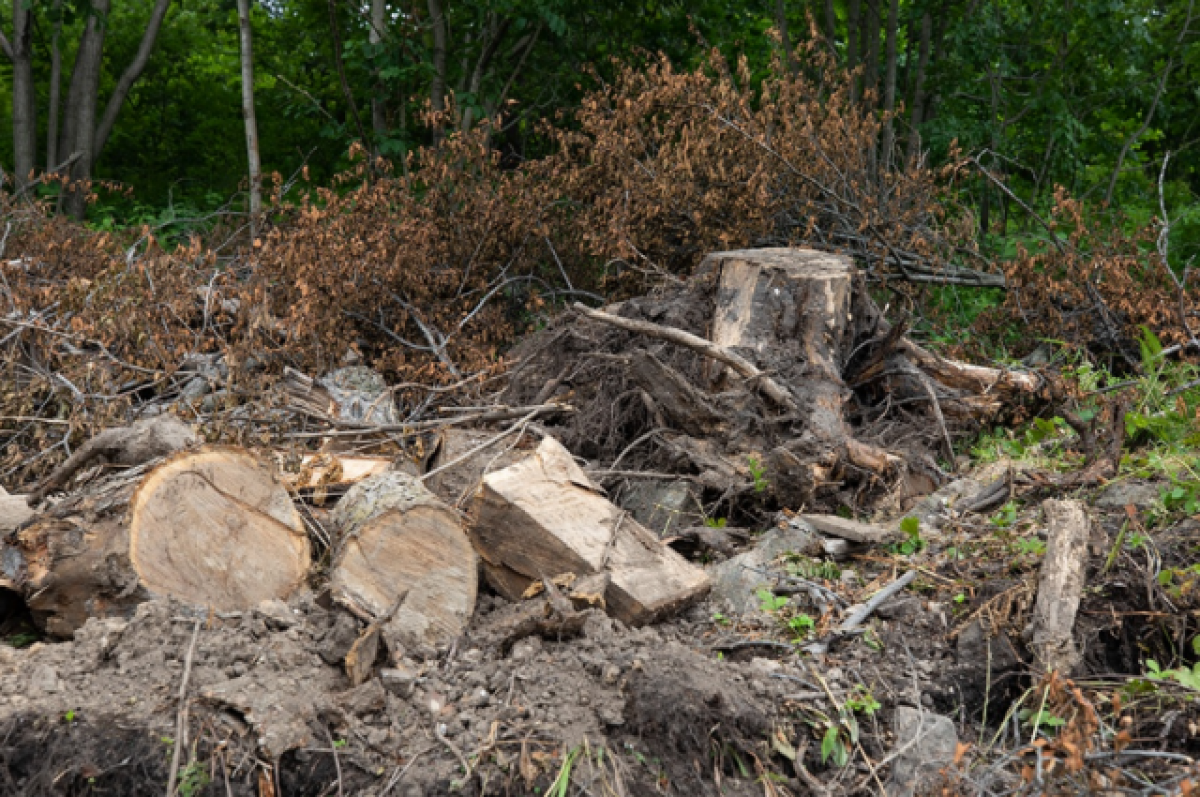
pixel 215 528
pixel 543 517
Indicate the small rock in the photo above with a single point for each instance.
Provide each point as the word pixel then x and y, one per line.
pixel 900 608
pixel 398 680
pixel 1119 495
pixel 663 506
pixel 366 699
pixel 43 680
pixel 735 580
pixel 931 743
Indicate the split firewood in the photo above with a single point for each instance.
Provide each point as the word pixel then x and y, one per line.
pixel 396 537
pixel 14 511
pixel 543 516
pixel 212 527
pixel 123 446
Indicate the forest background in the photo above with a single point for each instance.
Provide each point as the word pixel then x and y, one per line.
pixel 967 148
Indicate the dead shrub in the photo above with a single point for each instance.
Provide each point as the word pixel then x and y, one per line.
pixel 1097 288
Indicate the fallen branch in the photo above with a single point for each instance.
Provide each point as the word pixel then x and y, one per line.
pixel 768 386
pixel 860 615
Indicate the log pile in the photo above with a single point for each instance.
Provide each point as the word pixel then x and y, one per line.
pixel 771 374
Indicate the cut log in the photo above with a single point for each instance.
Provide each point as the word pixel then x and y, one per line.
pixel 211 527
pixel 397 536
pixel 543 517
pixel 1060 586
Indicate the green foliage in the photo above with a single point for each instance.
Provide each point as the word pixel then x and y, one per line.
pixel 716 523
pixel 861 701
pixel 1006 516
pixel 757 473
pixel 812 569
pixel 1180 675
pixel 913 543
pixel 1040 720
pixel 801 626
pixel 770 602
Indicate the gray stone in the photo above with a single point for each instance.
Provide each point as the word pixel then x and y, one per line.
pixel 736 580
pixel 398 680
pixel 663 506
pixel 929 743
pixel 43 680
pixel 1121 494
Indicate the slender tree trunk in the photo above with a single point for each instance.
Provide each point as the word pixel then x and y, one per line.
pixel 24 94
pixel 82 99
pixel 853 26
pixel 871 51
pixel 889 84
pixel 918 94
pixel 831 27
pixel 785 38
pixel 248 114
pixel 55 89
pixel 482 65
pixel 437 86
pixel 131 74
pixel 378 115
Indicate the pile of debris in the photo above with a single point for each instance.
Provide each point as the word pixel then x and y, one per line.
pixel 398 572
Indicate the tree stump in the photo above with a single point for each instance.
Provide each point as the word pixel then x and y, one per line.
pixel 399 541
pixel 211 527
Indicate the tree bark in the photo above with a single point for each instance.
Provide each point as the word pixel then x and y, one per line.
pixel 853 35
pixel 378 106
pixel 917 102
pixel 785 38
pixel 399 543
pixel 131 74
pixel 82 98
pixel 871 51
pixel 24 94
pixel 55 89
pixel 248 113
pixel 437 86
pixel 482 64
pixel 889 85
pixel 831 27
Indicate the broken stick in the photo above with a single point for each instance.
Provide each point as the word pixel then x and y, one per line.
pixel 768 386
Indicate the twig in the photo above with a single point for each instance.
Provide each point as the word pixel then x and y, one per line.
pixel 181 714
pixel 518 426
pixel 768 386
pixel 353 428
pixel 860 615
pixel 437 731
pixel 337 764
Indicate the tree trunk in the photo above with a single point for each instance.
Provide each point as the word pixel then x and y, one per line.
pixel 212 528
pixel 831 27
pixel 482 64
pixel 917 102
pixel 785 38
pixel 24 94
pixel 378 109
pixel 399 542
pixel 248 114
pixel 889 85
pixel 853 35
pixel 55 89
pixel 870 51
pixel 131 74
pixel 437 85
pixel 82 98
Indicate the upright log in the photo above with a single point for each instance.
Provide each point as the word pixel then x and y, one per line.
pixel 211 527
